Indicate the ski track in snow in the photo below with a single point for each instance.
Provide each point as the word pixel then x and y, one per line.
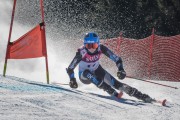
pixel 21 99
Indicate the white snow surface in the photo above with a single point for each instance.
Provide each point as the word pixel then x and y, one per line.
pixel 22 99
pixel 27 98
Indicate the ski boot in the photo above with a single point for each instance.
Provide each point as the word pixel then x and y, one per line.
pixel 137 94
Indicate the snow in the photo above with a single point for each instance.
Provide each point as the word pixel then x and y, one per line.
pixel 29 97
pixel 24 99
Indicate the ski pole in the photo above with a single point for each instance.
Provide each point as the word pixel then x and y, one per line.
pixel 152 82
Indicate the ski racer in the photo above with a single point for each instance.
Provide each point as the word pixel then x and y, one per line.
pixel 90 70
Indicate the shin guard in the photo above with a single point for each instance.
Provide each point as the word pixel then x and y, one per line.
pixel 135 93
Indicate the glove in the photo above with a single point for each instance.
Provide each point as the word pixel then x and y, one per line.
pixel 73 83
pixel 121 74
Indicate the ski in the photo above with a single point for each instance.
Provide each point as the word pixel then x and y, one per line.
pixel 56 83
pixel 119 96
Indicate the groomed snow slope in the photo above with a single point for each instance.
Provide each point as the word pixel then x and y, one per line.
pixel 21 99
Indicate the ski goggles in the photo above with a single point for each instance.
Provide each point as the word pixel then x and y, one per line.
pixel 91 45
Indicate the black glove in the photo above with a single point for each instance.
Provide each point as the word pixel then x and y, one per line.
pixel 121 74
pixel 73 83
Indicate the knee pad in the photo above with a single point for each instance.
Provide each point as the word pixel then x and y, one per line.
pixel 85 73
pixel 83 79
pixel 90 76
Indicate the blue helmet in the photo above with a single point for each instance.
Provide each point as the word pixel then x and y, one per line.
pixel 91 37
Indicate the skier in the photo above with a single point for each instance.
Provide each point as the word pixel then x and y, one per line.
pixel 90 71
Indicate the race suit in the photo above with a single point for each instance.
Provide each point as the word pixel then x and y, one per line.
pixel 90 71
pixel 90 61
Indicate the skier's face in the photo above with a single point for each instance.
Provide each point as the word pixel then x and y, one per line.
pixel 92 47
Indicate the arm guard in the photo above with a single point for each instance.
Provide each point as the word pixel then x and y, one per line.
pixel 73 64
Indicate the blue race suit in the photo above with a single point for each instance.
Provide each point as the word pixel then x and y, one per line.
pixel 90 71
pixel 90 61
